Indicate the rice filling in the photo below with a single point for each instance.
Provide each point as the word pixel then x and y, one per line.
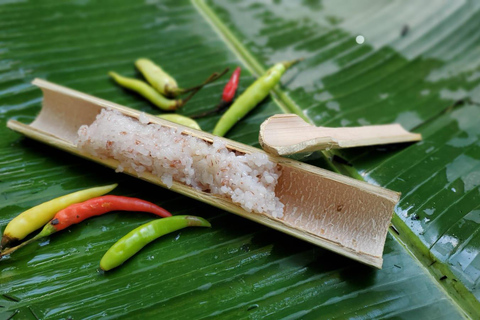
pixel 248 180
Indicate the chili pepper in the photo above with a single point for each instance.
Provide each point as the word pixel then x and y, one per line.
pixel 94 207
pixel 160 80
pixel 227 96
pixel 36 217
pixel 136 239
pixel 231 86
pixel 78 212
pixel 153 96
pixel 255 93
pixel 148 92
pixel 177 118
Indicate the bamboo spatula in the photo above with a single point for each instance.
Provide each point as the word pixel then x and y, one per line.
pixel 288 134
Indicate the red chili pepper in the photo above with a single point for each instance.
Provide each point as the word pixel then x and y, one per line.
pixel 227 95
pixel 231 86
pixel 97 206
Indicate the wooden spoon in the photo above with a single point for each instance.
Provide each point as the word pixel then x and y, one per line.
pixel 288 134
pixel 339 213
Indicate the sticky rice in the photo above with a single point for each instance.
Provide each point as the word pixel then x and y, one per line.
pixel 248 180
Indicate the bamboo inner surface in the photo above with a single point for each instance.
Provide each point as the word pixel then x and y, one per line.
pixel 336 212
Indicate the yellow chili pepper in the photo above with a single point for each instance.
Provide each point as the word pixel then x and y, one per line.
pixel 159 79
pixel 36 217
pixel 177 118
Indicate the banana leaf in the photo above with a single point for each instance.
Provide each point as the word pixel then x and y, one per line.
pixel 418 65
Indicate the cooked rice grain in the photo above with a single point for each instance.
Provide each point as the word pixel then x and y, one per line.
pixel 247 179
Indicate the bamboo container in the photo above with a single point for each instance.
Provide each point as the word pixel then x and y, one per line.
pixel 341 214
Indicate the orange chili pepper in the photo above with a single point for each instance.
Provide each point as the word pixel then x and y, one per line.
pixel 97 206
pixel 231 87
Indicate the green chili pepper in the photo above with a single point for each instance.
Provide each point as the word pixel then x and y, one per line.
pixel 186 121
pixel 255 93
pixel 136 239
pixel 148 92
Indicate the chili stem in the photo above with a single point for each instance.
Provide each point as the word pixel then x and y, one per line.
pixel 221 106
pixel 288 64
pixel 214 76
pixel 200 86
pixel 45 232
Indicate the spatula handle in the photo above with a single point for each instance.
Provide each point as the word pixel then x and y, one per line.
pixel 370 135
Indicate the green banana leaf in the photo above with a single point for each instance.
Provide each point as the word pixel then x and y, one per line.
pixel 418 65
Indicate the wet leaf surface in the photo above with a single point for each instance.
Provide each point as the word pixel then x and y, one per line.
pixel 239 269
